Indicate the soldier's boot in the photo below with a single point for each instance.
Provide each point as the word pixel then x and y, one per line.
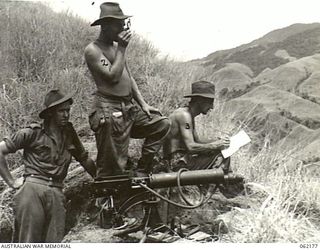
pixel 145 165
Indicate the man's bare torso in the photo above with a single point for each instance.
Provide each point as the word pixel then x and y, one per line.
pixel 174 141
pixel 107 56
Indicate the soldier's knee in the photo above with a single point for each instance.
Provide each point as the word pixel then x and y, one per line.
pixel 165 126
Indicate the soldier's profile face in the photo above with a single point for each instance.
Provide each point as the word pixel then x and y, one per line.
pixel 61 114
pixel 206 104
pixel 114 26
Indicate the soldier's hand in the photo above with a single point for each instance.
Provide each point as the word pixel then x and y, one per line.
pixel 149 109
pixel 90 166
pixel 224 142
pixel 124 38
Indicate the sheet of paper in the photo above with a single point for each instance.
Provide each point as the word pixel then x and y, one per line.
pixel 237 141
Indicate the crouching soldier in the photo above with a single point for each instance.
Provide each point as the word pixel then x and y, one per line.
pixel 182 146
pixel 39 203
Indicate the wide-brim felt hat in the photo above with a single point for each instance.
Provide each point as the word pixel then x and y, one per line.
pixel 110 10
pixel 203 89
pixel 53 98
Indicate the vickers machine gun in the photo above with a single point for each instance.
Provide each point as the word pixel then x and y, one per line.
pixel 122 193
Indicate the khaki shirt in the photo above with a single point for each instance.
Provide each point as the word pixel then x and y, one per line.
pixel 42 155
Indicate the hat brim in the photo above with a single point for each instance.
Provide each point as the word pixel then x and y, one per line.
pixel 68 97
pixel 201 95
pixel 98 21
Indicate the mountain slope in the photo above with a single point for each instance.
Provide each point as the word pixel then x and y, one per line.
pixel 270 51
pixel 292 76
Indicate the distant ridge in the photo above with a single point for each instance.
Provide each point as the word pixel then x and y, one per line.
pixel 270 51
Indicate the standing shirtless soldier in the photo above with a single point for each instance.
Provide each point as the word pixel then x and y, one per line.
pixel 39 203
pixel 115 117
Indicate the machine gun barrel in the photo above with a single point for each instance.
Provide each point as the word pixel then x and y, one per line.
pixel 123 183
pixel 196 177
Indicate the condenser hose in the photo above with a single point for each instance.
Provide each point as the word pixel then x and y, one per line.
pixel 190 205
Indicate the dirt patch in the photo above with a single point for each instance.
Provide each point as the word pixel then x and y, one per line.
pixel 92 233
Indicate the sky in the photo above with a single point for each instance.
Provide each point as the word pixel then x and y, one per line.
pixel 185 29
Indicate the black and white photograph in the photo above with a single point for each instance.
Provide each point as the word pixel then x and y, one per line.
pixel 159 121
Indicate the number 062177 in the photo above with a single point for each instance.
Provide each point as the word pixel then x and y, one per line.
pixel 308 245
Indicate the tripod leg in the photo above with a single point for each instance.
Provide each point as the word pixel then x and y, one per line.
pixel 150 220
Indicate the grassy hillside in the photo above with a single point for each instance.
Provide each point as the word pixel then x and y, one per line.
pixel 41 50
pixel 282 34
pixel 298 40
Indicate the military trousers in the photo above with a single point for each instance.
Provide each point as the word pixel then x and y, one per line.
pixel 114 123
pixel 199 161
pixel 40 213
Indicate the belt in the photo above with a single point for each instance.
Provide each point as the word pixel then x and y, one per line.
pixel 42 180
pixel 113 99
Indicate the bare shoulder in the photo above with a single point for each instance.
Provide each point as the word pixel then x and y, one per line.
pixel 3 147
pixel 181 115
pixel 92 51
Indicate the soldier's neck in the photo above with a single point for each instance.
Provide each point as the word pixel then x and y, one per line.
pixel 105 39
pixel 55 130
pixel 193 111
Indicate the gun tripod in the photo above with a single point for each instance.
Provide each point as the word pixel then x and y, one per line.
pixel 131 192
pixel 151 218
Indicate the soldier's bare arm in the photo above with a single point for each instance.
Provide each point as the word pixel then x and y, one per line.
pixel 223 139
pixel 99 64
pixel 139 98
pixel 197 138
pixel 89 166
pixel 186 130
